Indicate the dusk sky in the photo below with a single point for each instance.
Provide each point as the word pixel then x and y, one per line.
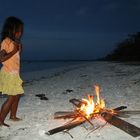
pixel 72 29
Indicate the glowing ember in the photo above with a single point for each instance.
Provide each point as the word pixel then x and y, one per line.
pixel 89 107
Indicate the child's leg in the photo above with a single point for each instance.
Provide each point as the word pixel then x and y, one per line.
pixel 14 108
pixel 5 109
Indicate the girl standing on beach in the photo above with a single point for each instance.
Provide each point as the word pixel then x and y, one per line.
pixel 10 81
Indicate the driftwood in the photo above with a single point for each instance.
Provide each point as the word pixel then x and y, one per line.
pixel 79 118
pixel 119 108
pixel 73 114
pixel 129 112
pixel 66 127
pixel 65 115
pixel 77 102
pixel 121 124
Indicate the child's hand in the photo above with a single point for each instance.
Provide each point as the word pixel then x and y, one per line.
pixel 17 47
pixel 2 54
pixel 5 56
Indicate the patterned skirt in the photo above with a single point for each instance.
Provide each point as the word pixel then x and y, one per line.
pixel 10 84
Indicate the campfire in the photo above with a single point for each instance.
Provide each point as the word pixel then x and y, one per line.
pixel 91 108
pixel 88 107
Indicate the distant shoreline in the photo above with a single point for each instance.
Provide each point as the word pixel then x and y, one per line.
pixel 55 60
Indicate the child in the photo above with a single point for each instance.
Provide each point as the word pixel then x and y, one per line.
pixel 10 81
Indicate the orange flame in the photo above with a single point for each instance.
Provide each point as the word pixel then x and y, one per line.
pixel 90 107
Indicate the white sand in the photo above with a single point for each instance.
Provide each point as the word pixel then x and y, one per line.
pixel 120 85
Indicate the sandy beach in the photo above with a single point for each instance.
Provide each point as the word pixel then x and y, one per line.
pixel 119 83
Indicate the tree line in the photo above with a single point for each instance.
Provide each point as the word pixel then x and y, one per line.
pixel 127 50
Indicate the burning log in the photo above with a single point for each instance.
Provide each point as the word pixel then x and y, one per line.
pixel 77 102
pixel 74 114
pixel 129 112
pixel 88 109
pixel 66 127
pixel 121 124
pixel 65 114
pixel 119 108
pixel 74 102
pixel 79 119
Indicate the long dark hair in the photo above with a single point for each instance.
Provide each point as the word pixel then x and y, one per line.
pixel 10 27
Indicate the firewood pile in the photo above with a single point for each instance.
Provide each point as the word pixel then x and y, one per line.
pixel 87 110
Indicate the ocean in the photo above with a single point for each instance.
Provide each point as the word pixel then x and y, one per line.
pixel 30 66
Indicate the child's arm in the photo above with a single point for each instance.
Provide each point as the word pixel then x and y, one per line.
pixel 5 56
pixel 19 45
pixel 2 53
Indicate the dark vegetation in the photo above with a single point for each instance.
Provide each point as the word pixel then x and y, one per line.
pixel 127 50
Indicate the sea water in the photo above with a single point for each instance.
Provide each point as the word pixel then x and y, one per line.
pixel 30 66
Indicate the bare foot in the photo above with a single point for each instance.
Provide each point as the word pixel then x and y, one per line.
pixel 15 119
pixel 4 124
